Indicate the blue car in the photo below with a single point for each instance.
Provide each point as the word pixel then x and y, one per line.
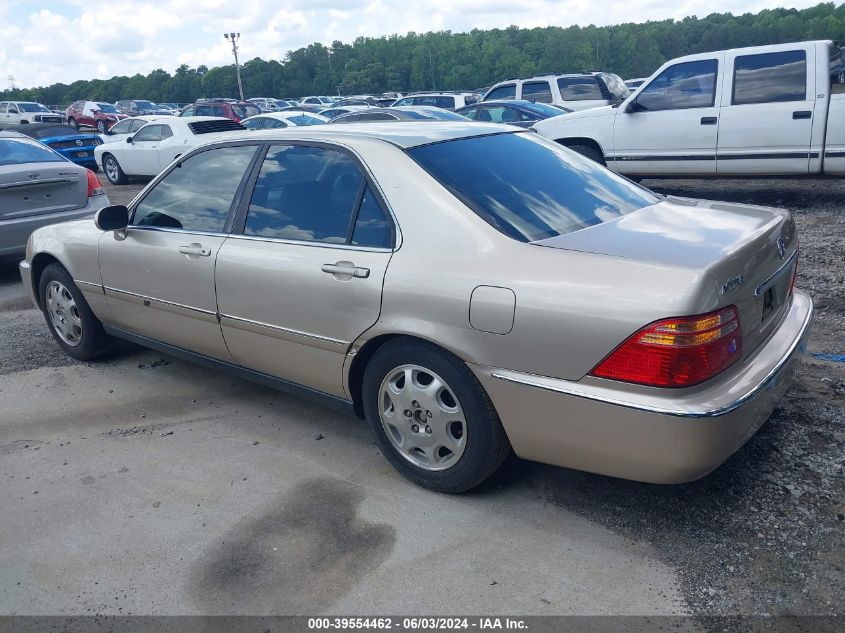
pixel 65 139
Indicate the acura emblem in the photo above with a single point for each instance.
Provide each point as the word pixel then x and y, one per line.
pixel 781 247
pixel 79 142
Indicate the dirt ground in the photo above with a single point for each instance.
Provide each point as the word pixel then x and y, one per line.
pixel 763 534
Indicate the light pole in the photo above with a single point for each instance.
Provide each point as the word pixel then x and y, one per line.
pixel 233 37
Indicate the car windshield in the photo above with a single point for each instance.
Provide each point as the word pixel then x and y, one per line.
pixel 528 188
pixel 304 119
pixel 48 132
pixel 107 108
pixel 16 152
pixel 146 105
pixel 435 113
pixel 546 110
pixel 32 107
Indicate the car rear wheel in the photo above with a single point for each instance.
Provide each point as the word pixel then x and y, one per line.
pixel 70 320
pixel 113 171
pixel 431 417
pixel 590 151
pixel 72 121
pixel 101 127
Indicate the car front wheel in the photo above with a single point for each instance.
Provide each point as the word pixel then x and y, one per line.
pixel 70 320
pixel 431 417
pixel 72 121
pixel 101 127
pixel 113 171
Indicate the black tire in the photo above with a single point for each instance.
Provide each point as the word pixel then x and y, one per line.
pixel 590 151
pixel 93 340
pixel 95 168
pixel 114 172
pixel 101 126
pixel 72 121
pixel 486 445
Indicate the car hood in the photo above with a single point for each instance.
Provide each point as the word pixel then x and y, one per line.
pixel 590 113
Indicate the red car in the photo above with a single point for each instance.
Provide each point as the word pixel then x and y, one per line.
pixel 235 110
pixel 93 114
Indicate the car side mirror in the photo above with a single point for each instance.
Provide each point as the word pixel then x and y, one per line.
pixel 113 218
pixel 634 106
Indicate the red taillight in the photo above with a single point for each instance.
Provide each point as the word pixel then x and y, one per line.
pixel 94 186
pixel 678 352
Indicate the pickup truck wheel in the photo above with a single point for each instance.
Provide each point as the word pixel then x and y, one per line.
pixel 101 127
pixel 70 320
pixel 113 171
pixel 590 151
pixel 431 417
pixel 72 121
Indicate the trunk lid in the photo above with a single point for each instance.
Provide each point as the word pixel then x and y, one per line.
pixel 745 254
pixel 36 189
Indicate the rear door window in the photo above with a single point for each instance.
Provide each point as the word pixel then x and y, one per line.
pixel 314 194
pixel 580 88
pixel 770 77
pixel 537 91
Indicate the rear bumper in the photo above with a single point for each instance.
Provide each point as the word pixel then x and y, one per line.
pixel 15 233
pixel 648 434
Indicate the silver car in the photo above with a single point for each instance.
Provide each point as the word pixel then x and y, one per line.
pixel 468 288
pixel 39 187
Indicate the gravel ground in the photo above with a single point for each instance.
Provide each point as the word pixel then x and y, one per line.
pixel 761 535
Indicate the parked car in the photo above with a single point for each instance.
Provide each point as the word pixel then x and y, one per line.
pixel 465 287
pixel 265 104
pixel 766 110
pixel 230 109
pixel 64 139
pixel 575 91
pixel 635 83
pixel 331 113
pixel 515 112
pixel 315 104
pixel 156 145
pixel 38 186
pixel 399 113
pixel 445 100
pixel 139 107
pixel 23 112
pixel 93 114
pixel 272 120
pixel 121 130
pixel 172 108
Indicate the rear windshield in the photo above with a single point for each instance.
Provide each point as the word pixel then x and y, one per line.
pixel 16 152
pixel 528 188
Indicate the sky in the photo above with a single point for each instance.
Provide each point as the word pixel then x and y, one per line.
pixel 65 40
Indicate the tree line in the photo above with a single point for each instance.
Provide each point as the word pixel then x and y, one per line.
pixel 450 61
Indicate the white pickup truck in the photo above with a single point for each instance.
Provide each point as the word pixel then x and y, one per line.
pixel 766 110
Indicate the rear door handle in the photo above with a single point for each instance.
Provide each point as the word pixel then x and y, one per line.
pixel 802 114
pixel 346 269
pixel 708 120
pixel 195 250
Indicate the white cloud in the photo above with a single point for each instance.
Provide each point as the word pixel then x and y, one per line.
pixel 67 40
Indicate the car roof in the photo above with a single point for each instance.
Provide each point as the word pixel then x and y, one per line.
pixel 403 134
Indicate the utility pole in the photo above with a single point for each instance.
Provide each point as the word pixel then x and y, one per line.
pixel 233 37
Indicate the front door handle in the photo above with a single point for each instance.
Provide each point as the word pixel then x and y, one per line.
pixel 195 250
pixel 345 270
pixel 802 114
pixel 708 120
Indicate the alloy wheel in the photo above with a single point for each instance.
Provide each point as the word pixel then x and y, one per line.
pixel 422 417
pixel 63 313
